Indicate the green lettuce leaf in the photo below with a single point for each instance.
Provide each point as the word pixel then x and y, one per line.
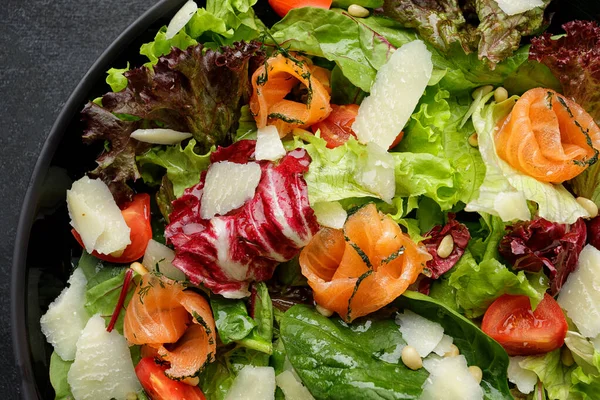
pixel 358 46
pixel 555 376
pixel 436 128
pixel 363 3
pixel 183 166
pixel 478 285
pixel 246 125
pixel 161 46
pixel 104 283
pixel 502 181
pixel 58 377
pixel 116 78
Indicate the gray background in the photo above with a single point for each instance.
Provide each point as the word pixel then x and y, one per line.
pixel 46 46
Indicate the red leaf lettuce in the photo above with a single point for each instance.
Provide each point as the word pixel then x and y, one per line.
pixel 460 234
pixel 195 90
pixel 541 244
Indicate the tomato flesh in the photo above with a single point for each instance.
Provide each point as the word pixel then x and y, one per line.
pixel 281 7
pixel 137 217
pixel 521 331
pixel 336 129
pixel 159 387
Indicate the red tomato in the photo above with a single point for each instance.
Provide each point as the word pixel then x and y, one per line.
pixel 510 321
pixel 137 218
pixel 159 387
pixel 282 7
pixel 336 129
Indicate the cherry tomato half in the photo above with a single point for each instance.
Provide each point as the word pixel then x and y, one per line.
pixel 281 7
pixel 336 129
pixel 160 387
pixel 521 331
pixel 137 217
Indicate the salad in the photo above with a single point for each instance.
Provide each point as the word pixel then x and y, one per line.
pixel 370 199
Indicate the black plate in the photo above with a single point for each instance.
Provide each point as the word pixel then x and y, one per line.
pixel 42 257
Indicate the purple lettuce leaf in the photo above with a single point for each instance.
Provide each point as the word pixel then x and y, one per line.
pixel 543 245
pixel 195 90
pixel 437 266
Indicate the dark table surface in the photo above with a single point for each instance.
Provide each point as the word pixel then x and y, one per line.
pixel 46 46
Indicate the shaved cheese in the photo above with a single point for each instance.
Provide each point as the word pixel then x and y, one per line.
pixel 183 16
pixel 292 388
pixel 268 144
pixel 376 173
pixel 228 186
pixel 159 257
pixel 102 368
pixel 398 86
pixel 512 206
pixel 422 334
pixel 256 383
pixel 96 217
pixel 450 379
pixel 160 136
pixel 330 214
pixel 513 7
pixel 580 295
pixel 66 317
pixel 524 379
pixel 444 346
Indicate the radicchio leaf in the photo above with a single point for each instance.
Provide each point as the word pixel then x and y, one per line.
pixel 460 234
pixel 228 252
pixel 541 244
pixel 196 90
pixel 593 228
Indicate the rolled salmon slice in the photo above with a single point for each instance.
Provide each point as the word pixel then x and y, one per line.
pixel 272 82
pixel 548 137
pixel 364 267
pixel 172 324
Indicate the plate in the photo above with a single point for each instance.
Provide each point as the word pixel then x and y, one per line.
pixel 44 245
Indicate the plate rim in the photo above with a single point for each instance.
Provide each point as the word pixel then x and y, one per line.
pixel 18 272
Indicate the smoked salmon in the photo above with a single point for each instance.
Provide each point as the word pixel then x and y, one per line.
pixel 548 137
pixel 177 323
pixel 273 82
pixel 362 268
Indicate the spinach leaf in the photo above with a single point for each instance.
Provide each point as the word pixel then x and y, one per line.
pixel 234 323
pixel 340 361
pixel 217 377
pixel 478 348
pixel 104 285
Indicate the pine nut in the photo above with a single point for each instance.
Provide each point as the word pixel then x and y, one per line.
pixel 476 372
pixel 138 268
pixel 454 351
pixel 482 90
pixel 358 11
pixel 446 247
pixel 411 358
pixel 474 140
pixel 566 357
pixel 500 94
pixel 324 311
pixel 191 380
pixel 589 206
